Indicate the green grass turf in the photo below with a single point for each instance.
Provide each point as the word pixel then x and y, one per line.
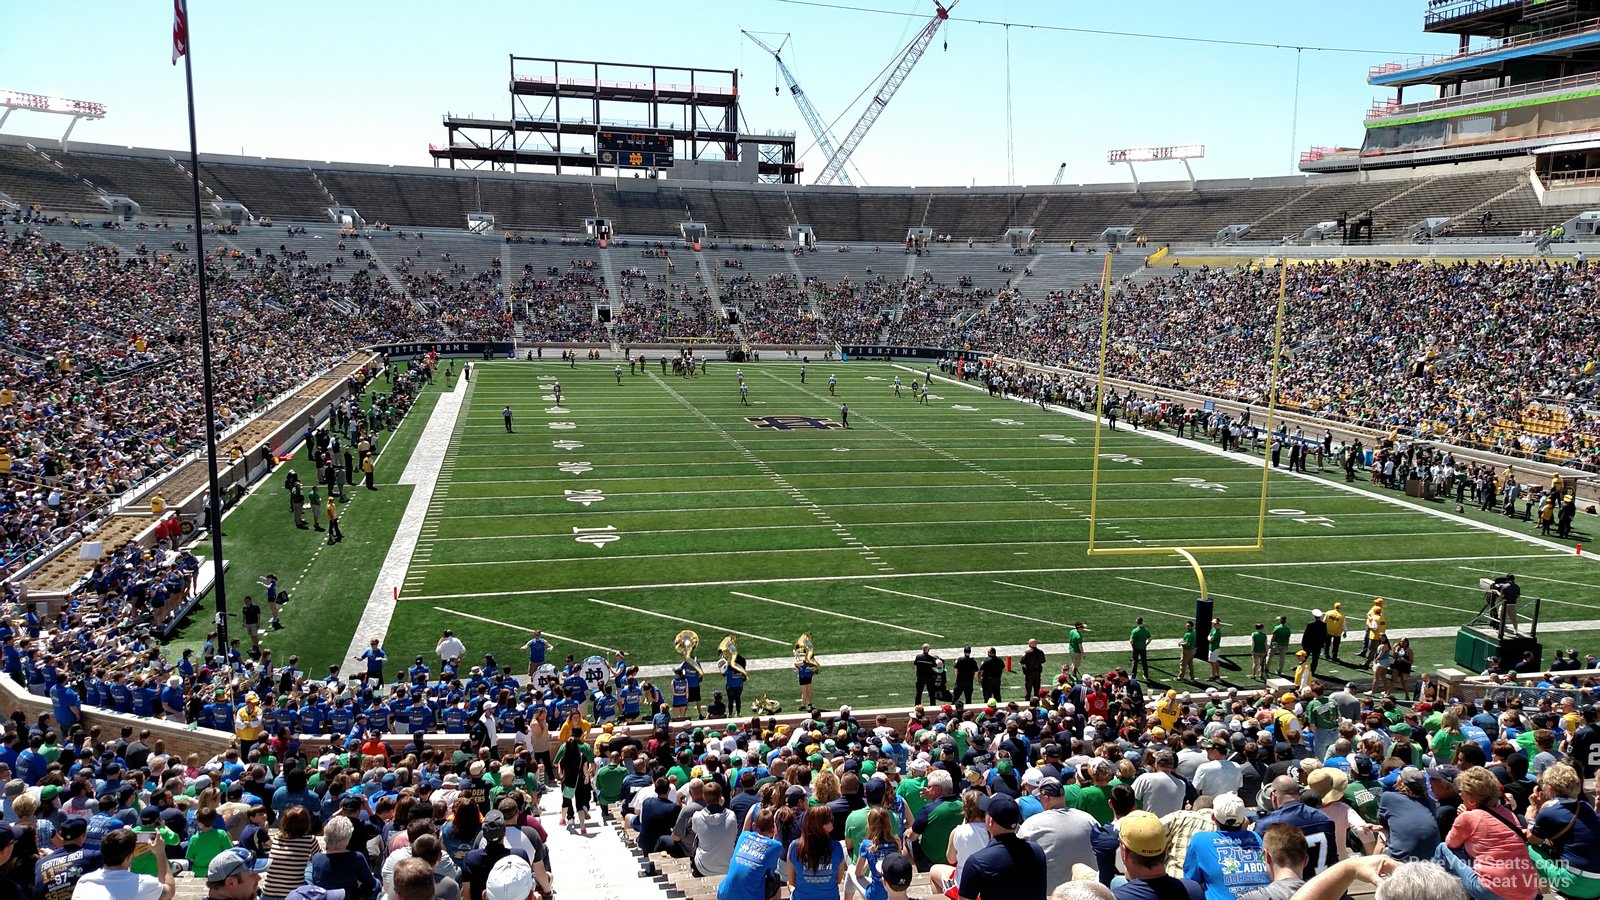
pixel 961 521
pixel 328 586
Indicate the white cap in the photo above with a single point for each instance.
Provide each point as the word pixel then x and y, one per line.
pixel 1229 810
pixel 510 879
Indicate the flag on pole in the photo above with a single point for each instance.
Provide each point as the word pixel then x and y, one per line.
pixel 180 29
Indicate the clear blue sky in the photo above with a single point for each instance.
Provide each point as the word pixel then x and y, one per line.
pixel 368 82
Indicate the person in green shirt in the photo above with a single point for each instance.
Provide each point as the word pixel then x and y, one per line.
pixel 150 820
pixel 207 841
pixel 1280 643
pixel 1214 649
pixel 1258 653
pixel 1323 714
pixel 911 788
pixel 1075 646
pixel 1186 647
pixel 608 780
pixel 943 814
pixel 1095 798
pixel 1139 643
pixel 876 792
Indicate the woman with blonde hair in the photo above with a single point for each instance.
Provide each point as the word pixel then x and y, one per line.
pixel 824 788
pixel 1565 834
pixel 1485 847
pixel 966 839
pixel 880 842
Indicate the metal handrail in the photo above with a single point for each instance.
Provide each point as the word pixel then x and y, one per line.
pixel 1517 90
pixel 1492 46
pixel 1459 10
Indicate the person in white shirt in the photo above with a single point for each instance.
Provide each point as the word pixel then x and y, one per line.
pixel 450 647
pixel 113 881
pixel 1218 775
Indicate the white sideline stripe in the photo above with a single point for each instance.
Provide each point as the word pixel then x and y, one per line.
pixel 1257 462
pixel 1066 515
pixel 568 559
pixel 984 610
pixel 829 612
pixel 1029 587
pixel 421 471
pixel 682 621
pixel 1056 570
pixel 1388 598
pixel 573 640
pixel 1475 589
pixel 1534 577
pixel 1232 642
pixel 524 537
pixel 1190 591
pixel 778 488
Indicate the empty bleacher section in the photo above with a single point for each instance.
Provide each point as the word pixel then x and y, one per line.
pixel 71 183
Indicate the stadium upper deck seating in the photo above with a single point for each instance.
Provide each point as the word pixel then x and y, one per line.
pixel 1165 212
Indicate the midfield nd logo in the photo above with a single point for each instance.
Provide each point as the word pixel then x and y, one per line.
pixel 790 423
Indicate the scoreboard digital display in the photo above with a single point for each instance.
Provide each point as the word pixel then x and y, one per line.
pixel 634 149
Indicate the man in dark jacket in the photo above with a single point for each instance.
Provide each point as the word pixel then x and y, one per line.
pixel 1314 639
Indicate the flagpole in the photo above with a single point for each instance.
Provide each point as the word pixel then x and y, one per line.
pixel 214 513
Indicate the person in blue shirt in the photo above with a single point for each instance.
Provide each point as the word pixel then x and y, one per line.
pixel 537 647
pixel 421 715
pixel 605 706
pixel 374 658
pixel 806 671
pixel 1227 862
pixel 680 696
pixel 66 706
pixel 734 681
pixel 629 697
pixel 455 719
pixel 418 673
pixel 172 700
pixel 691 673
pixel 756 858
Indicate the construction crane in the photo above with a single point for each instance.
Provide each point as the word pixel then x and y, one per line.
pixel 902 68
pixel 807 111
pixel 1060 173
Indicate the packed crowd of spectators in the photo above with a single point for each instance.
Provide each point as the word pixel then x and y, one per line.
pixel 1088 788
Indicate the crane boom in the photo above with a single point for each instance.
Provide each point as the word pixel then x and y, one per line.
pixel 880 100
pixel 819 131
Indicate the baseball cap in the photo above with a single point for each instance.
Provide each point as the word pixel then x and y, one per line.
pixel 494 825
pixel 8 835
pixel 876 790
pixel 510 879
pixel 1444 773
pixel 73 827
pixel 1003 810
pixel 1328 784
pixel 897 871
pixel 234 861
pixel 1050 787
pixel 1143 834
pixel 1229 810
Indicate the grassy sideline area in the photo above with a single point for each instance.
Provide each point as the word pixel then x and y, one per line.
pixel 959 521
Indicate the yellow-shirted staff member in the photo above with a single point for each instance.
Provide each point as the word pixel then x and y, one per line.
pixel 1302 672
pixel 1335 622
pixel 1167 710
pixel 1376 626
pixel 8 397
pixel 158 505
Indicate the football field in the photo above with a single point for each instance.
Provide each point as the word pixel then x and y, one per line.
pixel 622 514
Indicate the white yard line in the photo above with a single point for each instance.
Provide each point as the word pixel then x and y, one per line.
pixel 1058 651
pixel 422 472
pixel 1190 591
pixel 828 612
pixel 1388 598
pixel 985 610
pixel 683 621
pixel 1473 589
pixel 1257 462
pixel 1582 584
pixel 1054 570
pixel 1029 587
pixel 523 628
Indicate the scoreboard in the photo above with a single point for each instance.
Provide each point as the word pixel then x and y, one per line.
pixel 634 149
